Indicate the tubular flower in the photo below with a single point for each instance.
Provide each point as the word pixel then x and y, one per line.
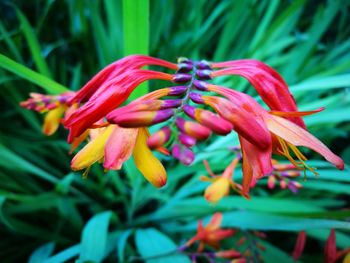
pixel 284 135
pixel 211 234
pixel 220 184
pixel 54 107
pixel 186 115
pixel 267 82
pixel 115 145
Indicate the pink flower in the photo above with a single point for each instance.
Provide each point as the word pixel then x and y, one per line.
pixel 186 115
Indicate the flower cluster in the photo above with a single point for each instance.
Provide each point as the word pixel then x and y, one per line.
pixel 190 110
pixel 283 174
pixel 212 234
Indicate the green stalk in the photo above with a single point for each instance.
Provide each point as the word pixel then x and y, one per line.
pixel 136 33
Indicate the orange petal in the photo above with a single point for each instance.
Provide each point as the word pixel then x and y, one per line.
pixel 78 140
pixel 163 150
pixel 119 147
pixel 247 175
pixel 150 167
pixel 259 159
pixel 295 113
pixel 207 167
pixel 297 136
pixel 215 222
pixel 219 234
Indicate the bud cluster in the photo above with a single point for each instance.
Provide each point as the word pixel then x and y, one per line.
pixel 188 123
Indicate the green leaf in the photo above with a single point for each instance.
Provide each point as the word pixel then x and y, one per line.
pixel 324 83
pixel 122 240
pixel 198 206
pixel 157 247
pixel 11 160
pixel 64 255
pixel 94 238
pixel 34 45
pixel 274 254
pixel 268 222
pixel 42 253
pixel 49 85
pixel 264 221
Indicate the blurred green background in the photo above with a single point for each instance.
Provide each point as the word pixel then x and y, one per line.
pixel 50 214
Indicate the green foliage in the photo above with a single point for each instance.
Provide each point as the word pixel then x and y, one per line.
pixel 49 214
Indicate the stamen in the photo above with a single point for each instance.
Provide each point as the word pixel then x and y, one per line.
pixel 285 152
pixel 86 173
pixel 302 159
pixel 300 164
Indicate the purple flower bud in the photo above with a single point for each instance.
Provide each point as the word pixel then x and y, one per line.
pixel 203 64
pixel 190 111
pixel 46 100
pixel 184 67
pixel 162 115
pixel 139 118
pixel 293 187
pixel 196 98
pixel 182 78
pixel 176 151
pixel 170 104
pixel 177 90
pixel 204 74
pixel 183 154
pixel 187 140
pixel 200 85
pixel 62 99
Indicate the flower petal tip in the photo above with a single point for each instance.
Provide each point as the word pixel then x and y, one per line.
pixel 160 182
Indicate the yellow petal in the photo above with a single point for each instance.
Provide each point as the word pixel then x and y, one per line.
pixel 217 190
pixel 150 167
pixel 52 120
pixel 93 151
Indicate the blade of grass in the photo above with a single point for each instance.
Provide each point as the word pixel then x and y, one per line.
pixel 49 85
pixel 34 45
pixel 136 33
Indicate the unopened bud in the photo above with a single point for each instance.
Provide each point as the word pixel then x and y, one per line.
pixel 159 138
pixel 182 78
pixel 183 154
